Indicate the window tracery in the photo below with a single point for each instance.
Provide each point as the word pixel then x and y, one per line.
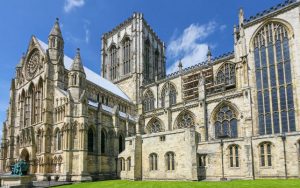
pixel 154 126
pixel 265 154
pixel 170 92
pixel 226 123
pixel 276 112
pixel 226 75
pixel 126 56
pixel 148 101
pixel 185 120
pixel 113 62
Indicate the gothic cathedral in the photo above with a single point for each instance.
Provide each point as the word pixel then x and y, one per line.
pixel 235 116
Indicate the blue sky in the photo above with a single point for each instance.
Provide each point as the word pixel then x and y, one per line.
pixel 186 26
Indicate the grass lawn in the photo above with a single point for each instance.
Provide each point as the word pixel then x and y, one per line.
pixel 293 183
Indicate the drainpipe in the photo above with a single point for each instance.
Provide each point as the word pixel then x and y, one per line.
pixel 283 137
pixel 222 151
pixel 252 154
pixel 222 157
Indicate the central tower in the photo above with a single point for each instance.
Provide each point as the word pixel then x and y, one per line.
pixel 132 55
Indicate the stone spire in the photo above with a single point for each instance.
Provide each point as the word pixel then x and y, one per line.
pixel 241 17
pixel 55 31
pixel 180 65
pixel 77 63
pixel 208 55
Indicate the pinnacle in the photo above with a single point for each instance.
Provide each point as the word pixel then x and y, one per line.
pixel 56 29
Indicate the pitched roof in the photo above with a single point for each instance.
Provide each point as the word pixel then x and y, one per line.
pixel 273 9
pixel 92 76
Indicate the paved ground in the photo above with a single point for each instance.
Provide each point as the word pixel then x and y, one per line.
pixel 52 183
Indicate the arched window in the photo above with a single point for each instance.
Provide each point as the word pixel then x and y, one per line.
pixel 156 63
pixel 126 56
pixel 185 120
pixel 226 75
pixel 57 140
pixel 128 163
pixel 22 101
pixel 226 123
pixel 168 91
pixel 273 80
pixel 28 106
pixel 265 154
pixel 121 143
pixel 148 101
pixel 234 156
pixel 154 126
pixel 113 62
pixel 38 102
pixel 122 164
pixel 147 60
pixel 172 95
pixel 153 161
pixel 103 141
pixel 90 140
pixel 170 161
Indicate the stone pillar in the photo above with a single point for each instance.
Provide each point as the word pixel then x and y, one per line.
pixel 84 175
pixel 137 158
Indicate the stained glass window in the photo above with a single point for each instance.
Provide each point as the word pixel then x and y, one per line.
pixel 113 63
pixel 226 74
pixel 265 154
pixel 226 123
pixel 185 120
pixel 170 92
pixel 154 126
pixel 126 56
pixel 148 101
pixel 273 80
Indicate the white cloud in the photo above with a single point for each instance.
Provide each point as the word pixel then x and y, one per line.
pixel 87 35
pixel 71 4
pixel 79 38
pixel 86 31
pixel 188 46
pixel 223 27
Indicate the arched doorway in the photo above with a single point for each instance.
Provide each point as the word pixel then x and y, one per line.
pixel 25 155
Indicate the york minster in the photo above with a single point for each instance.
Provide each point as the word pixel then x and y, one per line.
pixel 233 116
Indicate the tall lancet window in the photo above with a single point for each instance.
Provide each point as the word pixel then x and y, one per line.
pixel 22 101
pixel 275 101
pixel 147 59
pixel 156 63
pixel 148 101
pixel 113 62
pixel 126 56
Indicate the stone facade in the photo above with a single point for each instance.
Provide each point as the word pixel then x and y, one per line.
pixel 235 116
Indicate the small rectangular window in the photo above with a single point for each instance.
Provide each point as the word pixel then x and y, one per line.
pixel 162 138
